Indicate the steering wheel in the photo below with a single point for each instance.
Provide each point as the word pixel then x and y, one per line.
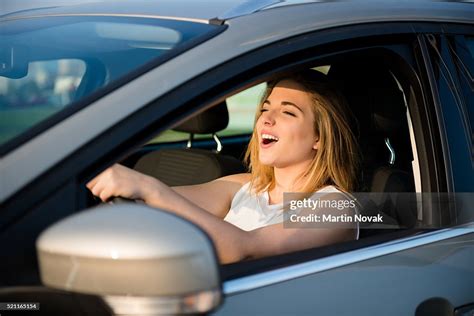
pixel 120 200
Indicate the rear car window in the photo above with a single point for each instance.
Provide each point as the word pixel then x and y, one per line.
pixel 462 49
pixel 48 64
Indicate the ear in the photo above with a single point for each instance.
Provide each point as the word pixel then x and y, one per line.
pixel 316 144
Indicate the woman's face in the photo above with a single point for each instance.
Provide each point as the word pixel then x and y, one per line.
pixel 285 128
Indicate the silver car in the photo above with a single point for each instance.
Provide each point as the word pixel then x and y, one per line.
pixel 170 88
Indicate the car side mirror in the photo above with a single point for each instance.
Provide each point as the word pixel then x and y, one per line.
pixel 140 260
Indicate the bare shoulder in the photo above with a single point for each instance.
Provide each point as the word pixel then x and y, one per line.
pixel 232 183
pixel 239 178
pixel 215 196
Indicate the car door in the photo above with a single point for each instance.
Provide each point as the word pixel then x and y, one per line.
pixel 414 274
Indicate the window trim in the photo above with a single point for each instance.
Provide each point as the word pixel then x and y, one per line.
pixel 431 140
pixel 416 161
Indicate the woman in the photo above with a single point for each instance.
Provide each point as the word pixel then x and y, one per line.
pixel 301 143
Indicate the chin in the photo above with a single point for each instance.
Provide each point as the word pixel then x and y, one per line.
pixel 267 161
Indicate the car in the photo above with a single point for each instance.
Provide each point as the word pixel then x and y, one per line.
pixel 170 88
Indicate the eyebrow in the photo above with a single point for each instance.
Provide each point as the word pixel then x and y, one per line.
pixel 286 103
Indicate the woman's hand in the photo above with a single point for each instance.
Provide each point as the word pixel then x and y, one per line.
pixel 121 181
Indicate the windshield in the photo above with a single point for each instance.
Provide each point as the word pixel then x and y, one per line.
pixel 50 64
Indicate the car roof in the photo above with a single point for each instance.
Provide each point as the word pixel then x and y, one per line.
pixel 263 5
pixel 202 11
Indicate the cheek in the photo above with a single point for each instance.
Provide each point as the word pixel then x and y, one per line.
pixel 302 129
pixel 304 135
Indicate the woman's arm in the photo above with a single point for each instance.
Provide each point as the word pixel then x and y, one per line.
pixel 232 243
pixel 228 239
pixel 215 196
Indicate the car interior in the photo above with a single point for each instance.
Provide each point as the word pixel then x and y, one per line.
pixel 379 112
pixel 378 105
pixel 186 166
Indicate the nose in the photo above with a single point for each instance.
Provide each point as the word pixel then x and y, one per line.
pixel 268 118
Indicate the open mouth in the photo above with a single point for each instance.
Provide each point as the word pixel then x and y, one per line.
pixel 268 139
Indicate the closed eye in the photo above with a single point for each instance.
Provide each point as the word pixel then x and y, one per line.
pixel 263 110
pixel 289 113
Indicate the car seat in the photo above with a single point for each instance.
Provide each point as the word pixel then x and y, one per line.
pixel 185 166
pixel 378 107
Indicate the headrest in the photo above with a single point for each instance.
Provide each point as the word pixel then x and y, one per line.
pixel 389 111
pixel 209 121
pixel 372 94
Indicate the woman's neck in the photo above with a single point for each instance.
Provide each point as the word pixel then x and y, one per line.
pixel 288 179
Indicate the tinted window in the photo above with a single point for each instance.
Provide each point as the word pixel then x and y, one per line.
pixel 462 48
pixel 47 64
pixel 455 125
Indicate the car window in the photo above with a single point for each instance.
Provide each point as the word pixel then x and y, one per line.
pixel 48 64
pixel 47 88
pixel 241 106
pixel 450 74
pixel 462 48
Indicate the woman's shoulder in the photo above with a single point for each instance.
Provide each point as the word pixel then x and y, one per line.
pixel 231 184
pixel 332 192
pixel 238 178
pixel 329 189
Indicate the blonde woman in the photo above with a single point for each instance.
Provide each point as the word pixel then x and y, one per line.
pixel 301 143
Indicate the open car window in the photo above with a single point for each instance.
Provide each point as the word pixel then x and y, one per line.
pixel 241 107
pixel 369 86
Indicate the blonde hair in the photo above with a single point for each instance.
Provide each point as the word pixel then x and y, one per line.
pixel 337 159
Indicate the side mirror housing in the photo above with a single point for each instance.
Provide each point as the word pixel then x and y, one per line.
pixel 138 259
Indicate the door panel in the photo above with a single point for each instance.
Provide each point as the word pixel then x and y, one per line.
pixel 389 285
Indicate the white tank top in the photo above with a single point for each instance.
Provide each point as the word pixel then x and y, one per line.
pixel 250 211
